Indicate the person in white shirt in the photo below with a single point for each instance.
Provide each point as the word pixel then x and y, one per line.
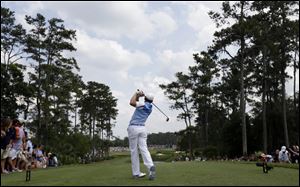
pixel 283 155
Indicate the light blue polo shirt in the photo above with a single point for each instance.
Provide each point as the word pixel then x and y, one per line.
pixel 141 114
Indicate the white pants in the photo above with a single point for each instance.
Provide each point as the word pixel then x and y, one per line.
pixel 138 139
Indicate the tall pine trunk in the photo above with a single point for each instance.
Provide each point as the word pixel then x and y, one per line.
pixel 93 139
pixel 38 102
pixel 189 129
pixel 294 90
pixel 206 125
pixel 285 128
pixel 265 134
pixel 242 91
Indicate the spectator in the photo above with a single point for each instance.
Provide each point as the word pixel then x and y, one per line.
pixel 17 144
pixel 23 160
pixel 55 160
pixel 34 151
pixel 50 160
pixel 266 157
pixel 34 160
pixel 41 160
pixel 6 136
pixel 25 157
pixel 276 156
pixel 264 160
pixel 294 154
pixel 283 155
pixel 29 146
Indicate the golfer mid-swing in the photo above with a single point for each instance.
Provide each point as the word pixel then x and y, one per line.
pixel 137 135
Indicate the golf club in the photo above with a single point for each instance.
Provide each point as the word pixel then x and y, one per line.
pixel 162 112
pixel 157 108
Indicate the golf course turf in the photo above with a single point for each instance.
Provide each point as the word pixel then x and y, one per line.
pixel 117 172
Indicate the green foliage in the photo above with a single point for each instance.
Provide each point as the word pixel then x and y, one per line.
pixel 12 77
pixel 177 91
pixel 164 155
pixel 12 37
pixel 167 139
pixel 210 152
pixel 70 149
pixel 54 90
pixel 12 87
pixel 264 35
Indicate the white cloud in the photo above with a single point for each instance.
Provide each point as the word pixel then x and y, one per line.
pixel 172 62
pixel 107 55
pixel 163 23
pixel 200 21
pixel 198 17
pixel 205 36
pixel 110 19
pixel 115 19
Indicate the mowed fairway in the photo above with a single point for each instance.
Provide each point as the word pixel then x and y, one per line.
pixel 118 172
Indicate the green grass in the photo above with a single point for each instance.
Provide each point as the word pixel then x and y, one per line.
pixel 118 172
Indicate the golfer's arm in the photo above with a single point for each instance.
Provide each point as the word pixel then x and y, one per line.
pixel 134 99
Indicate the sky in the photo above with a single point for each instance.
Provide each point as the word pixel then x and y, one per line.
pixel 130 45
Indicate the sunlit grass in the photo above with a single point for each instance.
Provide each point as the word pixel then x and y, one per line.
pixel 118 172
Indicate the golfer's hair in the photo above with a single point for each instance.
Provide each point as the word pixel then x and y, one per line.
pixel 147 100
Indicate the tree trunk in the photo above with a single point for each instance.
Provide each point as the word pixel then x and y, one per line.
pixel 283 66
pixel 38 101
pixel 189 131
pixel 75 120
pixel 294 86
pixel 90 126
pixel 206 125
pixel 242 92
pixel 265 134
pixel 187 111
pixel 286 136
pixel 93 139
pixel 46 110
pixel 268 95
pixel 294 90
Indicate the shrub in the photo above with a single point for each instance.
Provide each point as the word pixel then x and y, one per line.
pixel 210 152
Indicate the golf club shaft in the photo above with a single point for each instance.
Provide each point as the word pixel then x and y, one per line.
pixel 160 110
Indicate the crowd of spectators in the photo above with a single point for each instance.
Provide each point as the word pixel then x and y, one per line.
pixel 284 155
pixel 18 152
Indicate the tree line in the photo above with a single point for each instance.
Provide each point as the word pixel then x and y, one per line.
pixel 233 98
pixel 40 83
pixel 167 139
pixel 244 68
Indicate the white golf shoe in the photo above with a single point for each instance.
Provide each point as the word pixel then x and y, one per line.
pixel 152 173
pixel 141 175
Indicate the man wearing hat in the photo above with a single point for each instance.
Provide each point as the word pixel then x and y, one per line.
pixel 137 134
pixel 283 155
